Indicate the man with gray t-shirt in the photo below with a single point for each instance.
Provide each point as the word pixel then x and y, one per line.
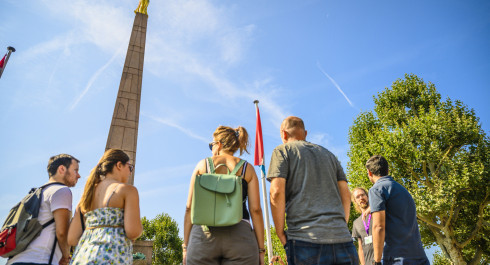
pixel 308 184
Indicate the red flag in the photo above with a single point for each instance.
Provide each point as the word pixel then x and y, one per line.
pixel 2 62
pixel 259 144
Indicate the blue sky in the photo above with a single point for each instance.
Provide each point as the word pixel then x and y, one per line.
pixel 205 63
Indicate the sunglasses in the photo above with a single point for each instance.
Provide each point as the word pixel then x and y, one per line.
pixel 131 167
pixel 211 144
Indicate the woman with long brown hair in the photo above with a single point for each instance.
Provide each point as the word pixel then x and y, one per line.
pixel 108 215
pixel 236 244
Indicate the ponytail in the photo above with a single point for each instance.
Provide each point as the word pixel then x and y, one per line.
pixel 88 193
pixel 242 136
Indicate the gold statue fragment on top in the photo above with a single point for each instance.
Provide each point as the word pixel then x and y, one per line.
pixel 142 6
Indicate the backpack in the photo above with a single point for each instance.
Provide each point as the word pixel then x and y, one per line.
pixel 217 198
pixel 21 226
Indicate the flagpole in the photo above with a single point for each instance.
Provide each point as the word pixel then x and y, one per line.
pixel 10 50
pixel 264 198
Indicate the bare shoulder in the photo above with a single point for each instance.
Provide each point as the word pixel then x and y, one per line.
pixel 250 172
pixel 127 189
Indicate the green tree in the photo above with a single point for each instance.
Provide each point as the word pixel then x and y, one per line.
pixel 167 245
pixel 439 152
pixel 277 248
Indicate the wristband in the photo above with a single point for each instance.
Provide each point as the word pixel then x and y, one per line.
pixel 184 247
pixel 261 250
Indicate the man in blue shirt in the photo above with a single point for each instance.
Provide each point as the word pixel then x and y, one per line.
pixel 396 234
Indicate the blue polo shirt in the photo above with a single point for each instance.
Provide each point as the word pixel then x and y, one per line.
pixel 402 237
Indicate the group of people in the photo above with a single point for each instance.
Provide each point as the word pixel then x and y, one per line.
pixel 308 193
pixel 105 221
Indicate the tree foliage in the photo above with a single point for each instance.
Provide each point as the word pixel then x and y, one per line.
pixel 277 247
pixel 167 245
pixel 439 152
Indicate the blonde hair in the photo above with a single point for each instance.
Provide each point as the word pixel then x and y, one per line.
pixel 353 199
pixel 232 139
pixel 106 165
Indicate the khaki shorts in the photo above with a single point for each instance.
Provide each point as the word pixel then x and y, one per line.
pixel 227 245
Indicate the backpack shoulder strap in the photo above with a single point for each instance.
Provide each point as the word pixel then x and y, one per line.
pixel 237 167
pixel 210 165
pixel 51 183
pixel 48 223
pixel 244 169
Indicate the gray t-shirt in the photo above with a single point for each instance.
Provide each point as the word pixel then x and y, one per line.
pixel 402 236
pixel 359 232
pixel 314 211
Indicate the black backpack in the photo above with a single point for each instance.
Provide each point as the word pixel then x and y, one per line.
pixel 21 226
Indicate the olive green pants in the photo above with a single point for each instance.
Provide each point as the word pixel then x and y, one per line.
pixel 229 245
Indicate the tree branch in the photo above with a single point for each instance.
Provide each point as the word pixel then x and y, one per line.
pixel 478 225
pixel 453 213
pixel 442 159
pixel 477 258
pixel 427 182
pixel 428 221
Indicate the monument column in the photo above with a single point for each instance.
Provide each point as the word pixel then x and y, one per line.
pixel 123 133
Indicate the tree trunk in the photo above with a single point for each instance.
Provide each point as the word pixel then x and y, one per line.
pixel 448 246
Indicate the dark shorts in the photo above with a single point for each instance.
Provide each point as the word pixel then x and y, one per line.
pixel 306 253
pixel 227 245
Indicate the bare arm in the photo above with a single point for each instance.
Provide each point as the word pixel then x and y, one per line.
pixel 378 234
pixel 345 197
pixel 361 252
pixel 62 222
pixel 278 206
pixel 132 219
pixel 187 217
pixel 75 230
pixel 255 209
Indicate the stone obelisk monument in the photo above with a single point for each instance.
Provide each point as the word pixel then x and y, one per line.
pixel 123 133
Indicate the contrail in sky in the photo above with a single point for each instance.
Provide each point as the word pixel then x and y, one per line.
pixel 178 127
pixel 93 78
pixel 335 84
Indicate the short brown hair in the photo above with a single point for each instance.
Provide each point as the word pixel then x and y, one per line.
pixel 377 165
pixel 59 160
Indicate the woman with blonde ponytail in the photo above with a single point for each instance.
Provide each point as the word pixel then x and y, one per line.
pixel 238 244
pixel 108 215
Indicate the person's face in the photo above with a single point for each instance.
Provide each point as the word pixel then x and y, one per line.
pixel 128 170
pixel 361 199
pixel 71 174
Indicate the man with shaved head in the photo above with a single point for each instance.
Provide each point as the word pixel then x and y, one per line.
pixel 309 191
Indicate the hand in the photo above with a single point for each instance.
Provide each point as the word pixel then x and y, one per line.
pixel 282 238
pixel 277 259
pixel 65 260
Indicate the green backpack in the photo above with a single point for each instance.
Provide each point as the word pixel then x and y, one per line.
pixel 217 198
